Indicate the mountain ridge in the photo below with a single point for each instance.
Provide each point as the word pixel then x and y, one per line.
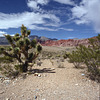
pixel 52 42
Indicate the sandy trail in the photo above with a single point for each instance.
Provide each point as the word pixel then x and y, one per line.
pixel 53 83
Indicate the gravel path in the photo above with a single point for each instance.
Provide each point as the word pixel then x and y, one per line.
pixel 51 83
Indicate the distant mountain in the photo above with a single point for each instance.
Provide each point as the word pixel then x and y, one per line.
pixel 3 40
pixel 52 42
pixel 63 43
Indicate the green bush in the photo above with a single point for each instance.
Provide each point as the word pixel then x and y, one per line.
pixel 6 59
pixel 75 58
pixel 90 56
pixel 66 55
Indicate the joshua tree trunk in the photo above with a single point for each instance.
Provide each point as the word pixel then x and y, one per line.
pixel 25 66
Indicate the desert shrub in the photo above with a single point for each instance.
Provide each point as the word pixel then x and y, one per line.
pixel 19 68
pixel 9 71
pixel 61 65
pixel 58 56
pixel 6 59
pixel 66 55
pixel 75 58
pixel 90 56
pixel 19 49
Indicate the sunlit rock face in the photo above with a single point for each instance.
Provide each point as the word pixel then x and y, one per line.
pixel 53 42
pixel 63 43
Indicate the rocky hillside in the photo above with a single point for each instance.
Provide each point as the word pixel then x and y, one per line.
pixel 63 43
pixel 51 42
pixel 3 40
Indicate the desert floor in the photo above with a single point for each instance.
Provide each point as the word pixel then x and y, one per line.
pixel 52 79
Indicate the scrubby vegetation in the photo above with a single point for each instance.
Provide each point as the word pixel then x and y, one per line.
pixel 21 55
pixel 90 56
pixel 22 49
pixel 6 59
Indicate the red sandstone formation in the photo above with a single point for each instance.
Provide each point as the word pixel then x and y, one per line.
pixel 63 43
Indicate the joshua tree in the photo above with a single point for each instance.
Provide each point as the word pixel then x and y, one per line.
pixel 24 50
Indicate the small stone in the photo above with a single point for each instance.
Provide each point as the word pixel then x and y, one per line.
pixel 1 76
pixel 6 78
pixel 12 93
pixel 1 92
pixel 43 99
pixel 45 75
pixel 0 79
pixel 39 63
pixel 36 74
pixel 89 80
pixel 76 84
pixel 28 99
pixel 6 82
pixel 13 83
pixel 82 74
pixel 7 99
pixel 35 97
pixel 54 92
pixel 22 95
pixel 37 90
pixel 53 68
pixel 39 75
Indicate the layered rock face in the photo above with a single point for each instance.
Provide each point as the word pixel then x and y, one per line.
pixel 52 42
pixel 63 43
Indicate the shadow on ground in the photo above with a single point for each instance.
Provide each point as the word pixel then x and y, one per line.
pixel 44 70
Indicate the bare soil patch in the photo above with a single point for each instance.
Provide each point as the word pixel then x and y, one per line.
pixel 51 83
pixel 51 79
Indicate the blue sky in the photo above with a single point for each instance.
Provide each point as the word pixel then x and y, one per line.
pixel 61 19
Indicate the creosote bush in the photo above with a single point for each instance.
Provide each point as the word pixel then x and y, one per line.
pixel 66 55
pixel 75 58
pixel 90 56
pixel 20 49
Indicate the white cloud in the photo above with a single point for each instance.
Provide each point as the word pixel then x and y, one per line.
pixel 27 18
pixel 66 29
pixel 49 29
pixel 43 2
pixel 33 4
pixel 32 20
pixel 88 12
pixel 70 37
pixel 2 32
pixel 69 2
pixel 44 28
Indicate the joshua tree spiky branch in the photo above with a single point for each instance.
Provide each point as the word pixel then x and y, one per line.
pixel 20 45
